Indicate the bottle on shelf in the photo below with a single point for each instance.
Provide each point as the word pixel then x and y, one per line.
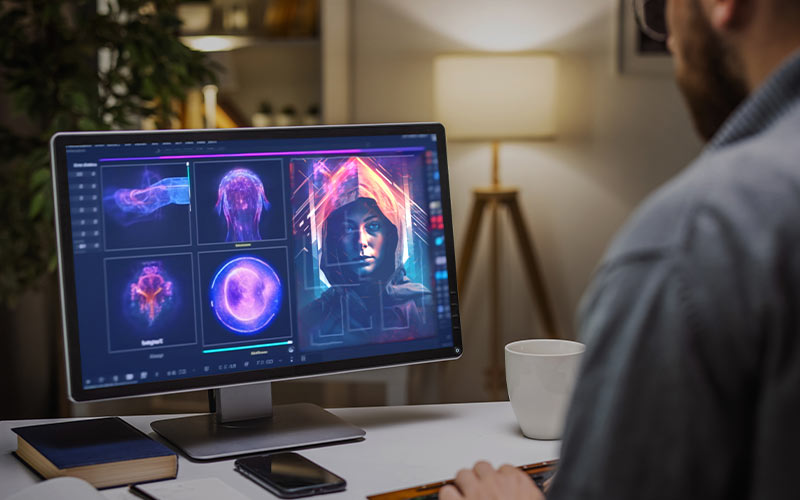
pixel 263 117
pixel 312 116
pixel 287 117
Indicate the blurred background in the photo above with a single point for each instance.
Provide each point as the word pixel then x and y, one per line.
pixel 620 131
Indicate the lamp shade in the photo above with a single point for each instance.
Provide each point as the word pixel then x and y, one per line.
pixel 496 97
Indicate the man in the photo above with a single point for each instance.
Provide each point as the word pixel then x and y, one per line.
pixel 690 386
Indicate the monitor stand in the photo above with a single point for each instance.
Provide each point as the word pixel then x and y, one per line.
pixel 246 422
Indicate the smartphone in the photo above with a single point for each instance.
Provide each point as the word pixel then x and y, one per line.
pixel 289 475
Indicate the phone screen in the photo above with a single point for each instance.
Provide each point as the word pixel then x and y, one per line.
pixel 290 472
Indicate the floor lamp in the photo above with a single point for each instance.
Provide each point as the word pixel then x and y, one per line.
pixel 495 98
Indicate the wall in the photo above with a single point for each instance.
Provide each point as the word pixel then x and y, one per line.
pixel 281 73
pixel 620 136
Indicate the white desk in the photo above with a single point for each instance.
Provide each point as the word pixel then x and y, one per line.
pixel 404 446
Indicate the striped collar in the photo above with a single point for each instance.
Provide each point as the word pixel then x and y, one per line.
pixel 765 106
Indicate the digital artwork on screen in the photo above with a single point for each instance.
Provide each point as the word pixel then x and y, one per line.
pixel 362 258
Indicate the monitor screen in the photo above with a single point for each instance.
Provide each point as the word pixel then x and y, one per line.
pixel 197 259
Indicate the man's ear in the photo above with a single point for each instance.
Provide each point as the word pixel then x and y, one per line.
pixel 725 15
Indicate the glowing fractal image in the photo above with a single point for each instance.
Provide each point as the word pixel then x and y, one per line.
pixel 150 292
pixel 241 199
pixel 149 199
pixel 246 294
pixel 146 206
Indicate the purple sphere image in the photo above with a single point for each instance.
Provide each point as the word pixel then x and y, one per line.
pixel 246 294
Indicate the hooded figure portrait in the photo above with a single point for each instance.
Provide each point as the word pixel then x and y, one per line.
pixel 362 243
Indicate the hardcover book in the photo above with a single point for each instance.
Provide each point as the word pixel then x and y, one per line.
pixel 106 452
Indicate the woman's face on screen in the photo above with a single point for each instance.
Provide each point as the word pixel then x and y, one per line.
pixel 364 234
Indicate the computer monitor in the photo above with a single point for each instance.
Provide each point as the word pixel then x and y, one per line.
pixel 227 259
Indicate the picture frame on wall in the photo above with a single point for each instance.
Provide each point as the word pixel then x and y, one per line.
pixel 638 54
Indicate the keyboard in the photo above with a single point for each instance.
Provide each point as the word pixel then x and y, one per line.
pixel 538 472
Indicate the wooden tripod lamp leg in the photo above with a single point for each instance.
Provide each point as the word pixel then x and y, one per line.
pixel 532 266
pixel 494 198
pixel 468 246
pixel 495 372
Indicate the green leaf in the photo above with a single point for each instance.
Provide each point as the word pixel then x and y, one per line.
pixel 78 102
pixel 36 205
pixel 85 123
pixel 40 177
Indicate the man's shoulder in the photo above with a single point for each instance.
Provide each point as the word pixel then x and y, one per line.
pixel 752 188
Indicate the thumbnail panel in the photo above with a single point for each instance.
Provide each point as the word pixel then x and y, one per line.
pixel 245 296
pixel 146 206
pixel 239 200
pixel 362 253
pixel 150 302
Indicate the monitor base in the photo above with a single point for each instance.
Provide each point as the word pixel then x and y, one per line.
pixel 244 421
pixel 201 437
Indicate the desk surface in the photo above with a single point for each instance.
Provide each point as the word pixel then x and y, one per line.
pixel 404 446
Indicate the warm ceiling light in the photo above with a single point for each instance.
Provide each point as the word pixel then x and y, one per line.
pixel 215 43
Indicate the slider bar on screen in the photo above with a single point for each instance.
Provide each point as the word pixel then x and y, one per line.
pixel 241 348
pixel 274 153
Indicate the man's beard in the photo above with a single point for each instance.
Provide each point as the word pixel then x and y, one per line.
pixel 712 87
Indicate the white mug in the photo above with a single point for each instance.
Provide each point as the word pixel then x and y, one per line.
pixel 540 377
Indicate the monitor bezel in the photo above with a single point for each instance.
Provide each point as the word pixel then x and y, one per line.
pixel 77 393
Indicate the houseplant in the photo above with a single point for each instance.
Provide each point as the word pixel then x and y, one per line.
pixel 73 65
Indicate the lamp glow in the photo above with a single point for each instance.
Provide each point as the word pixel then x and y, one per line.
pixel 496 97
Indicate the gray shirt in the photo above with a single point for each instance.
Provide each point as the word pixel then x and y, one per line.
pixel 690 385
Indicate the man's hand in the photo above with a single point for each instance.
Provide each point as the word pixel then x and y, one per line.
pixel 485 483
